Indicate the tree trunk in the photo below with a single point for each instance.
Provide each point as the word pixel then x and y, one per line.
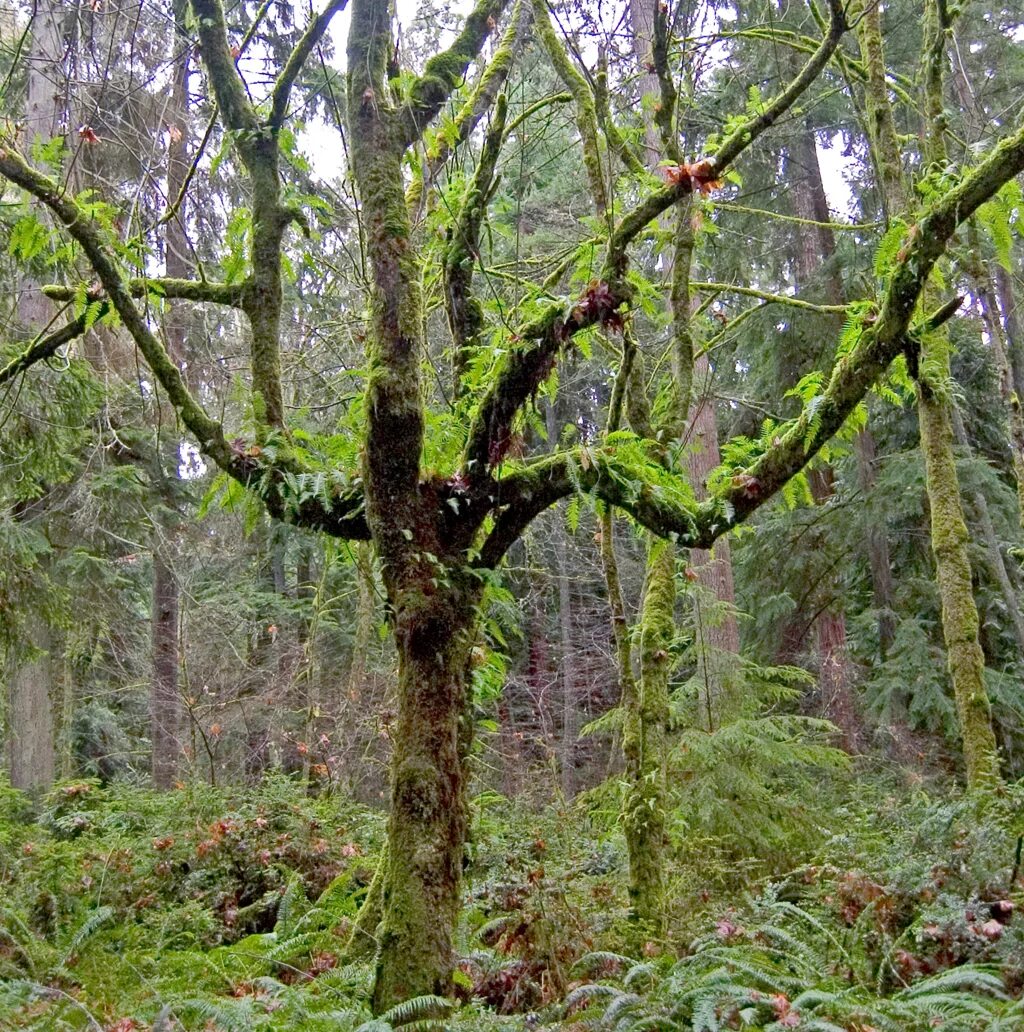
pixel 960 623
pixel 815 243
pixel 30 732
pixel 165 702
pixel 877 545
pixel 428 823
pixel 165 720
pixel 644 742
pixel 1012 327
pixel 718 635
pixel 30 752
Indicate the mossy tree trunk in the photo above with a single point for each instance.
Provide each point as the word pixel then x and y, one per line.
pixel 949 535
pixel 428 822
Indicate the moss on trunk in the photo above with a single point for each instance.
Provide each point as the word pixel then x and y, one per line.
pixel 428 823
pixel 644 734
pixel 953 570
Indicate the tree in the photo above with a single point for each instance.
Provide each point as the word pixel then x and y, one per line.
pixel 440 528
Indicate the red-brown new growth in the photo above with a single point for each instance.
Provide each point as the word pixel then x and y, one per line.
pixel 700 175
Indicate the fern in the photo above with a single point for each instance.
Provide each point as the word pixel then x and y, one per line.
pixel 416 1009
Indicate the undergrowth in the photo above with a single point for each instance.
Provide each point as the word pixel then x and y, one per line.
pixel 206 910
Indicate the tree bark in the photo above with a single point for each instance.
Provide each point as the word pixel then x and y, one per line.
pixel 718 635
pixel 30 733
pixel 816 243
pixel 428 823
pixel 165 704
pixel 30 751
pixel 960 624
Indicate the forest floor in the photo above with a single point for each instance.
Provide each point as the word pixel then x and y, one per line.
pixel 891 907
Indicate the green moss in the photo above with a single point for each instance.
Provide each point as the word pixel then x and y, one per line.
pixel 586 109
pixel 960 624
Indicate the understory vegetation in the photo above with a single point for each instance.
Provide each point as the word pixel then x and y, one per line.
pixel 890 906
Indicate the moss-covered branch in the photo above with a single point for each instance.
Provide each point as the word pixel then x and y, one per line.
pixel 257 145
pixel 280 483
pixel 583 95
pixel 445 71
pixel 314 33
pixel 228 88
pixel 465 314
pixel 764 295
pixel 479 102
pixel 44 347
pixel 529 364
pixel 203 291
pixel 726 153
pixel 541 484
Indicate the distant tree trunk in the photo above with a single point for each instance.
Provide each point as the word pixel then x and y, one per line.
pixel 165 702
pixel 815 243
pixel 718 634
pixel 30 751
pixel 1011 326
pixel 877 545
pixel 567 676
pixel 366 607
pixel 30 740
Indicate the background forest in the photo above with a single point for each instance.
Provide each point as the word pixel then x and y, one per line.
pixel 511 516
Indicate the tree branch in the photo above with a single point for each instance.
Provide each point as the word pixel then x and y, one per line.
pixel 228 87
pixel 314 33
pixel 445 71
pixel 529 490
pixel 479 102
pixel 230 294
pixel 526 367
pixel 46 347
pixel 279 484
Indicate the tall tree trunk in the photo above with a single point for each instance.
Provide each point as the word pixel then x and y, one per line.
pixel 960 624
pixel 717 631
pixel 1011 326
pixel 165 701
pixel 567 672
pixel 815 243
pixel 30 682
